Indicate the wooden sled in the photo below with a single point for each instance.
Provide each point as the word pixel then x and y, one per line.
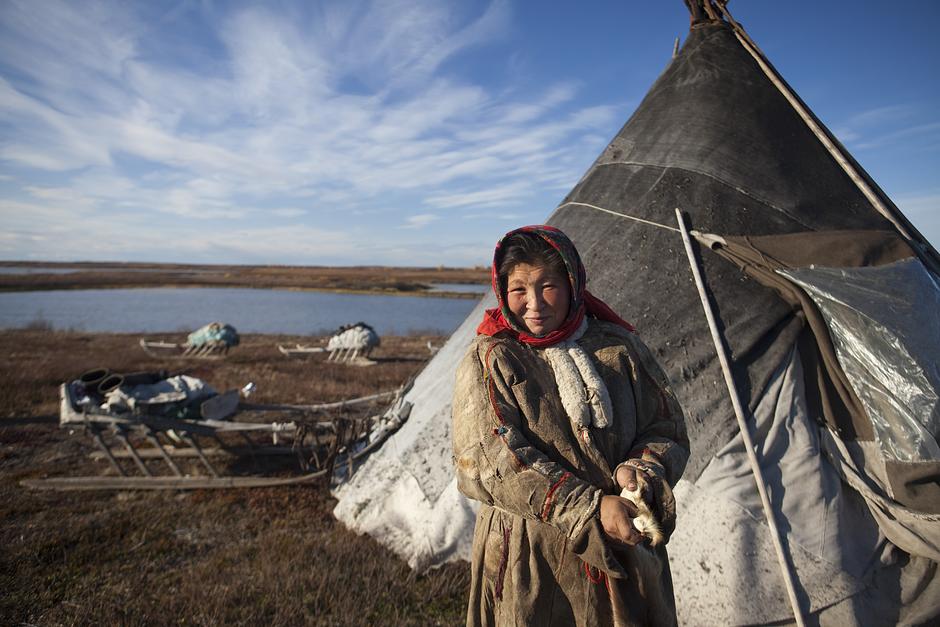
pixel 148 451
pixel 352 357
pixel 172 350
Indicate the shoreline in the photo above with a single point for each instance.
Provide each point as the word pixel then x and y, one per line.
pixel 375 280
pixel 417 293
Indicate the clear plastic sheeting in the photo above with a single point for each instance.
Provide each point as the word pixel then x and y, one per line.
pixel 885 326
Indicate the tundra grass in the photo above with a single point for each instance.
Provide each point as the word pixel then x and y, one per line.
pixel 243 557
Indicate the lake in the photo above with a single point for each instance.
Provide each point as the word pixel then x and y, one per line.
pixel 156 310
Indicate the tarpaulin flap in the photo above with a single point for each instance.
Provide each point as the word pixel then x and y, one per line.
pixel 885 322
pixel 876 326
pixel 835 249
pixel 885 325
pixel 829 389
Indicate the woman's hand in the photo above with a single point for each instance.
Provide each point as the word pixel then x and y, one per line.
pixel 630 477
pixel 617 520
pixel 647 476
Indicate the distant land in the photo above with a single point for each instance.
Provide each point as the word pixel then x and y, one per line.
pixel 48 275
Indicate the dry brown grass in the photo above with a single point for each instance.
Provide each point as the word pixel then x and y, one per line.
pixel 255 556
pixel 369 279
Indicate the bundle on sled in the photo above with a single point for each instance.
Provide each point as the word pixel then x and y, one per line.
pixel 351 344
pixel 158 430
pixel 211 341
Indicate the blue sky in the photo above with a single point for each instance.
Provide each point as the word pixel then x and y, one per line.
pixel 399 132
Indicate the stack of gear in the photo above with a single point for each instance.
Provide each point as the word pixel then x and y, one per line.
pixel 351 341
pixel 215 335
pixel 151 393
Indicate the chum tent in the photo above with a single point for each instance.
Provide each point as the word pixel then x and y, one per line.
pixel 828 301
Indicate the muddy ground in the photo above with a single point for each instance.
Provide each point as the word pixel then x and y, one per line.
pixel 207 557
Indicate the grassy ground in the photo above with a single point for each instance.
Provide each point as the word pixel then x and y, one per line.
pixel 363 279
pixel 254 556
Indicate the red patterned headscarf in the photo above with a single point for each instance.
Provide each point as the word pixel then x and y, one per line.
pixel 500 319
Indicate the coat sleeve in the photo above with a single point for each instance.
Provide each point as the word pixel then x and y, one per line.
pixel 495 464
pixel 660 422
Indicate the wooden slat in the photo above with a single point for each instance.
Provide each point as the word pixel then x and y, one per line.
pixel 321 406
pixel 153 453
pixel 165 483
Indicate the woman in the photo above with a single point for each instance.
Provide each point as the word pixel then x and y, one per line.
pixel 558 406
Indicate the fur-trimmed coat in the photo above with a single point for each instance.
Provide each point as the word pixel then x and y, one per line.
pixel 540 556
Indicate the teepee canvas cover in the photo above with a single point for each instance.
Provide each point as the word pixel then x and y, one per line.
pixel 829 304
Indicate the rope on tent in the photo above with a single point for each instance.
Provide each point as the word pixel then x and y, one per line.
pixel 620 215
pixel 810 120
pixel 785 567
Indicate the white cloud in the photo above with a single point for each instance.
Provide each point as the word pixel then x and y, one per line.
pixel 888 126
pixel 881 115
pixel 511 217
pixel 508 194
pixel 288 212
pixel 121 235
pixel 931 129
pixel 420 220
pixel 846 135
pixel 77 51
pixel 925 203
pixel 311 112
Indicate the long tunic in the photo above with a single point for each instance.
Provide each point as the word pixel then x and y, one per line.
pixel 540 556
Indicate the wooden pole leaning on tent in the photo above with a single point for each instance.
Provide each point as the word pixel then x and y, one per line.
pixel 785 567
pixel 830 143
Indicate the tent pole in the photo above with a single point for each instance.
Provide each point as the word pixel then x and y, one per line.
pixel 785 567
pixel 814 125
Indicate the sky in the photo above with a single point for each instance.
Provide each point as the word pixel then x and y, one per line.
pixel 390 132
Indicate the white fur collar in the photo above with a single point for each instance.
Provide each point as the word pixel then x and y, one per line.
pixel 583 393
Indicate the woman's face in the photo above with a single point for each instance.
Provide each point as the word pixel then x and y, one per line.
pixel 538 297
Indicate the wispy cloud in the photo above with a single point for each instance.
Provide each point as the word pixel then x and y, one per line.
pixel 502 195
pixel 288 212
pixel 931 129
pixel 209 112
pixel 420 220
pixel 888 126
pixel 880 115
